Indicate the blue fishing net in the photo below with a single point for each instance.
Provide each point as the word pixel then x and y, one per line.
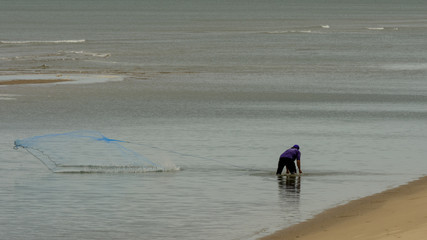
pixel 86 151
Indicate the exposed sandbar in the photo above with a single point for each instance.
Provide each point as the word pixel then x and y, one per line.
pixel 32 81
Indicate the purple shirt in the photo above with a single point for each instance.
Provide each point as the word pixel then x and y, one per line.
pixel 291 153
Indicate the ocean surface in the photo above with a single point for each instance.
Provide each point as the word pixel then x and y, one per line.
pixel 217 90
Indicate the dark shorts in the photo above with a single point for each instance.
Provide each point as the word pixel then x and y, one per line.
pixel 289 163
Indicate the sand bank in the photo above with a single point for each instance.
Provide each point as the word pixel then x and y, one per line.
pixel 32 81
pixel 399 213
pixel 16 79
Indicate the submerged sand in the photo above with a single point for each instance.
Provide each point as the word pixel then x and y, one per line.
pixel 399 213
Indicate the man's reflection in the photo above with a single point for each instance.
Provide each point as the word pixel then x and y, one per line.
pixel 289 188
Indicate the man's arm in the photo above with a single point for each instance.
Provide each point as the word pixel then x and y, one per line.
pixel 299 165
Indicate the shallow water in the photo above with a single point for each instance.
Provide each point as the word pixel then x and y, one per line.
pixel 219 90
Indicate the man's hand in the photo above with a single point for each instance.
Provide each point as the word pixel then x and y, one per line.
pixel 299 166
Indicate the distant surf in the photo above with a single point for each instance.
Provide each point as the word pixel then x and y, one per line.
pixel 84 53
pixel 309 29
pixel 290 31
pixel 382 28
pixel 61 55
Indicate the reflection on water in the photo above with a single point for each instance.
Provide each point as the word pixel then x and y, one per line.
pixel 289 185
pixel 289 193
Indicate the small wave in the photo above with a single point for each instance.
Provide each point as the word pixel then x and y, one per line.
pixel 308 29
pixel 289 31
pixel 89 54
pixel 44 42
pixel 375 28
pixel 59 56
pixel 382 28
pixel 277 32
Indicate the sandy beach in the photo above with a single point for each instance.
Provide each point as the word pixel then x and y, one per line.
pixel 398 213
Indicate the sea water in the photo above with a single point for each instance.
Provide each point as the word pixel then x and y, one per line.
pixel 220 89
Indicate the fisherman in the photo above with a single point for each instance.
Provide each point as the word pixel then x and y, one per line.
pixel 287 159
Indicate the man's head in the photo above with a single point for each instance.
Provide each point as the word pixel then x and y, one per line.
pixel 296 146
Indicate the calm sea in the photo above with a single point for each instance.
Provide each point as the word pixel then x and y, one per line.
pixel 220 89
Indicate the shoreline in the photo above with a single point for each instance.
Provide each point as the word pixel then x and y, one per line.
pixel 395 213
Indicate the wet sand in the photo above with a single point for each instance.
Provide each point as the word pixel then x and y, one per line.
pixel 398 213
